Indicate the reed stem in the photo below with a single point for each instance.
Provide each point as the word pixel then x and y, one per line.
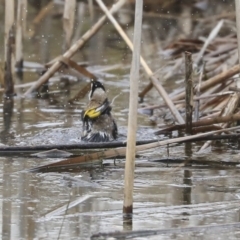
pixel 133 105
pixel 189 91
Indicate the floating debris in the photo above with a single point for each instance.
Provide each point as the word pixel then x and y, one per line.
pixel 53 153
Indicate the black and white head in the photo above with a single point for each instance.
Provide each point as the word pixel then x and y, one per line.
pixel 96 89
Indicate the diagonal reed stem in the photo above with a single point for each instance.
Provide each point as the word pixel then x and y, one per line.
pixel 75 47
pixel 147 69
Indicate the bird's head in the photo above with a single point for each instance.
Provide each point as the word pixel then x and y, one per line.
pixel 96 89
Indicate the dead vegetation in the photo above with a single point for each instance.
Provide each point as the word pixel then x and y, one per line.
pixel 199 51
pixel 212 70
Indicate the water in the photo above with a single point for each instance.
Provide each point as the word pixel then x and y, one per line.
pixel 77 204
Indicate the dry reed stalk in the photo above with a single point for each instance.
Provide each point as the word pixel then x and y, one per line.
pixel 148 234
pixel 91 9
pixel 24 18
pixel 9 21
pixel 218 89
pixel 133 105
pixel 235 89
pixel 189 91
pixel 202 122
pixel 1 79
pixel 213 81
pixel 219 68
pixel 9 43
pixel 19 34
pixel 68 63
pixel 212 61
pixel 237 7
pixel 81 7
pixel 68 21
pixel 216 103
pixel 82 93
pixel 41 15
pixel 178 17
pixel 198 93
pixel 205 129
pixel 212 95
pixel 197 98
pixel 176 66
pixel 228 110
pixel 219 104
pixel 211 36
pixel 185 23
pixel 81 70
pixel 145 91
pixel 149 72
pixel 75 47
pixel 8 70
pixel 211 114
pixel 219 55
pixel 231 105
pixel 97 156
pixel 44 11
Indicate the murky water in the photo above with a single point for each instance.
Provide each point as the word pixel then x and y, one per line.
pixel 75 205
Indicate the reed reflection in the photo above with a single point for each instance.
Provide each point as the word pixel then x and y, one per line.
pixel 8 104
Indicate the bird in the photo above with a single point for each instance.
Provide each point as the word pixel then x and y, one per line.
pixel 98 123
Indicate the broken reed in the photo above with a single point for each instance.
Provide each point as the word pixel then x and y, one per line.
pixel 202 122
pixel 189 91
pixel 72 50
pixel 198 93
pixel 115 152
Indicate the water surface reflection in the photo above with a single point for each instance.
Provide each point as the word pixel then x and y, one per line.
pixel 34 205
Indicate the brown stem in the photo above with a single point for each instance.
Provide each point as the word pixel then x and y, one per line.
pixel 213 81
pixel 75 47
pixel 189 91
pixel 8 78
pixel 203 122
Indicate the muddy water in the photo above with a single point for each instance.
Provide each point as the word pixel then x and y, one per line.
pixel 33 205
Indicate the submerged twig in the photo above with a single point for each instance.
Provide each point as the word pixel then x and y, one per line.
pixel 96 157
pixel 65 207
pixel 42 13
pixel 78 147
pixel 146 233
